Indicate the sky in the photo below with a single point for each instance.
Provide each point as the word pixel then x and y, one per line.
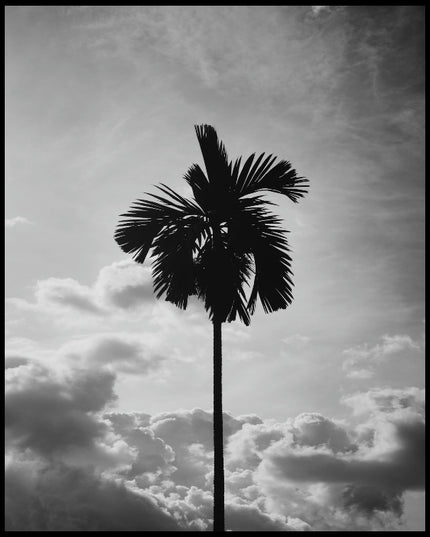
pixel 109 391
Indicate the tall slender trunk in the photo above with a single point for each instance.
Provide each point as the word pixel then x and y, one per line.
pixel 218 524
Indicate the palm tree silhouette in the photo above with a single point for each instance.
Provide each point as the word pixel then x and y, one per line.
pixel 213 246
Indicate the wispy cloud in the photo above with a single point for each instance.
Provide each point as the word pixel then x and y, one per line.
pixel 361 361
pixel 316 10
pixel 297 340
pixel 387 400
pixel 17 220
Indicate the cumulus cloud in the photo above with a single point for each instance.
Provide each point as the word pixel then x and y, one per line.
pixel 61 498
pixel 313 429
pixel 124 284
pixel 126 353
pixel 245 517
pixel 153 456
pixel 397 468
pixel 66 292
pixel 53 295
pixel 365 480
pixel 15 361
pixel 368 499
pixel 117 353
pixel 49 414
pixel 329 476
pixel 118 287
pixel 190 433
pixel 63 457
pixel 248 446
pixel 361 361
pixel 75 463
pixel 115 323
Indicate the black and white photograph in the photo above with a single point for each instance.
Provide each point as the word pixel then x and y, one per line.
pixel 215 268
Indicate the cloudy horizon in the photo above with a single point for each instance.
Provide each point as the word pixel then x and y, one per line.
pixel 108 390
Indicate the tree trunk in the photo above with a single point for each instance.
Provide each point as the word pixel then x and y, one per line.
pixel 218 524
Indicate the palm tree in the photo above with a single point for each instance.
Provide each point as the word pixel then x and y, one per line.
pixel 214 245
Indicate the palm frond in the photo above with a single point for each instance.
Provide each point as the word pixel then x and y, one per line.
pixel 263 175
pixel 241 177
pixel 199 184
pixel 234 170
pixel 215 158
pixel 139 226
pixel 175 249
pixel 242 268
pixel 220 278
pixel 258 233
pixel 273 273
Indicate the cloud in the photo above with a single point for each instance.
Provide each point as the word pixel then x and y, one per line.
pixel 217 45
pixel 12 222
pixel 360 486
pixel 368 499
pixel 154 456
pixel 316 10
pixel 116 321
pixel 60 498
pixel 118 287
pixel 387 400
pixel 399 469
pixel 190 433
pixel 364 491
pixel 59 295
pixel 75 463
pixel 126 353
pixel 331 476
pixel 22 351
pixel 248 446
pixel 313 429
pixel 297 341
pixel 66 292
pixel 125 284
pixel 15 361
pixel 48 414
pixel 361 361
pixel 244 517
pixel 63 457
pixel 114 352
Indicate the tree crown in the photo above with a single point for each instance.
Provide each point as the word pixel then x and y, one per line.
pixel 223 240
